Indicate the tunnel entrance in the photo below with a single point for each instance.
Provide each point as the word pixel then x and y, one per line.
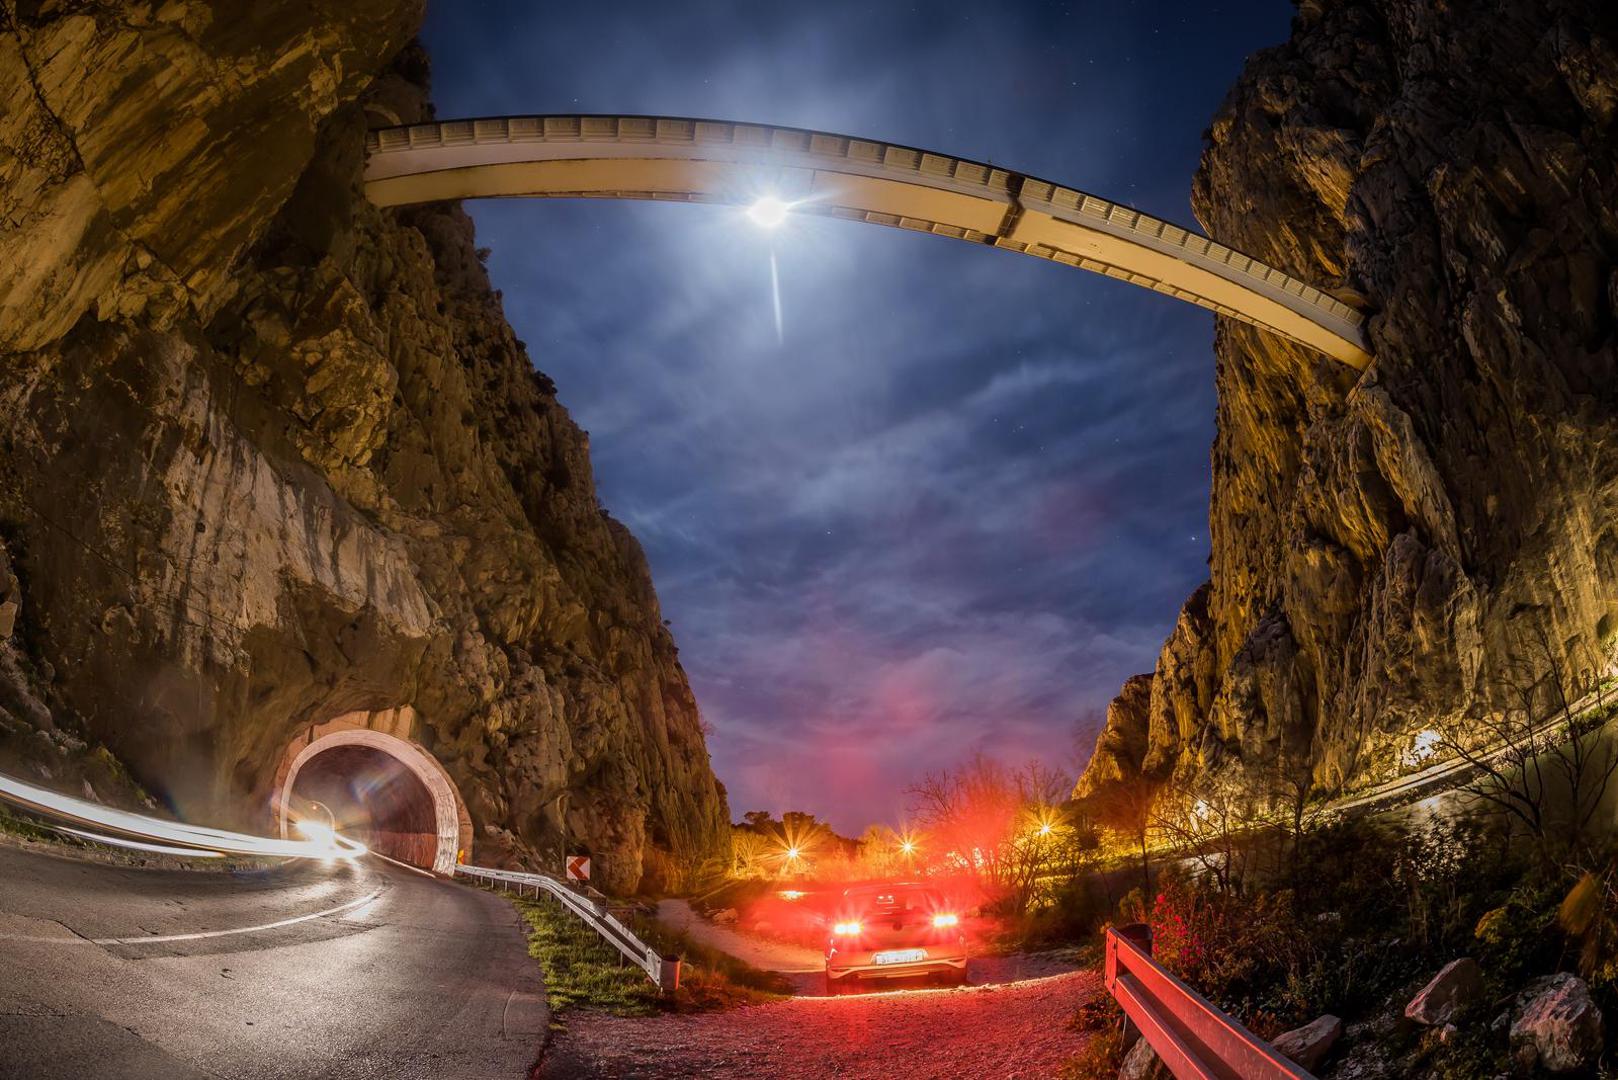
pixel 379 787
pixel 373 798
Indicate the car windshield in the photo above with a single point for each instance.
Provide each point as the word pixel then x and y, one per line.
pixel 889 903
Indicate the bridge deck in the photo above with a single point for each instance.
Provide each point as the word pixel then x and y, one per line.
pixel 678 160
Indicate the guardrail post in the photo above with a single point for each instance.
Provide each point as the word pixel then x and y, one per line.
pixel 668 974
pixel 1138 934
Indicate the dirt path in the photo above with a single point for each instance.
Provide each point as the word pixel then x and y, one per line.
pixel 1012 1032
pixel 761 952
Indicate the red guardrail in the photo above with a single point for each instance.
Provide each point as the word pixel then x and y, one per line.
pixel 1195 1040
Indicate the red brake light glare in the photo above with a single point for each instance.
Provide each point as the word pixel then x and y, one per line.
pixel 846 929
pixel 941 921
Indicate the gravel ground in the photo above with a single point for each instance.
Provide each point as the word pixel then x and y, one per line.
pixel 1018 1030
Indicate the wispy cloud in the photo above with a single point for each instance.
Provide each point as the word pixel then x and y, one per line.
pixel 964 494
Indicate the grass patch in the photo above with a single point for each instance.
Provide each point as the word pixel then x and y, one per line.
pixel 583 971
pixel 27 829
pixel 710 979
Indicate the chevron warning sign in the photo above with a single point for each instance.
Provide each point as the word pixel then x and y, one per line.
pixel 578 868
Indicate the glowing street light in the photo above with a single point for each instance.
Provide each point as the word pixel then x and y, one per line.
pixel 908 847
pixel 768 212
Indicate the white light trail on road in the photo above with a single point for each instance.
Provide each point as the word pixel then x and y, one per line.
pixel 84 812
pixel 141 845
pixel 362 901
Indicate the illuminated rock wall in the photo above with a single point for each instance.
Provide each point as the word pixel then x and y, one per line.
pixel 272 455
pixel 1387 549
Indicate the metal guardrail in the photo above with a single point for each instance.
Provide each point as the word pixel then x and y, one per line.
pixel 1193 1038
pixel 664 971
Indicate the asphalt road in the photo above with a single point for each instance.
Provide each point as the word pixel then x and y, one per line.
pixel 306 970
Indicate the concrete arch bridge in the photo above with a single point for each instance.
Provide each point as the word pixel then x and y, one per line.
pixel 778 169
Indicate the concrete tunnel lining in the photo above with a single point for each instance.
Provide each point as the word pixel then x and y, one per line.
pixel 452 823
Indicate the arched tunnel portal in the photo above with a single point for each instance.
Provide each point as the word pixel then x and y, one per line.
pixel 379 787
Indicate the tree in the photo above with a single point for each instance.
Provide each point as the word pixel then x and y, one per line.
pixel 996 824
pixel 1213 825
pixel 1535 761
pixel 1124 806
pixel 749 851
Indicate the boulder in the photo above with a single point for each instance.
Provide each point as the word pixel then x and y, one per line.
pixel 1558 1022
pixel 1448 995
pixel 1142 1063
pixel 1309 1045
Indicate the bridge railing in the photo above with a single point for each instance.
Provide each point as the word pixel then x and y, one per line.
pixel 815 149
pixel 1193 1038
pixel 664 971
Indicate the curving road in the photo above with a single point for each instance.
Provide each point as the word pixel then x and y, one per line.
pixel 306 970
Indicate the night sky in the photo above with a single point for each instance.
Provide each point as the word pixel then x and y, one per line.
pixel 963 495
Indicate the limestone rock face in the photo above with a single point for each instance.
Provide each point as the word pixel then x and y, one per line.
pixel 271 455
pixel 1388 547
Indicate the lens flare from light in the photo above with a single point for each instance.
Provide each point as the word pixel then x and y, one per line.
pixel 847 929
pixel 769 212
pixel 943 921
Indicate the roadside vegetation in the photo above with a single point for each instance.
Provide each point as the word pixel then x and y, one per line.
pixel 1281 917
pixel 23 828
pixel 584 972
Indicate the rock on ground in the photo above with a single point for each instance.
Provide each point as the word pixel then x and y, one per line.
pixel 1450 993
pixel 1309 1045
pixel 1142 1063
pixel 1558 1024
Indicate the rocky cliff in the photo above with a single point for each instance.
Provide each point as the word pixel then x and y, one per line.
pixel 271 455
pixel 1392 549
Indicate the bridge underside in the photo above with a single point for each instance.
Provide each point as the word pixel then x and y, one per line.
pixel 676 160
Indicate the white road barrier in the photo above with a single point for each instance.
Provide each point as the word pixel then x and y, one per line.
pixel 662 970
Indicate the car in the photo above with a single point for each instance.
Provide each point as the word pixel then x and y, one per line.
pixel 894 931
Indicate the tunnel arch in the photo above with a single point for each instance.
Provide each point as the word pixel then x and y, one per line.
pixel 385 732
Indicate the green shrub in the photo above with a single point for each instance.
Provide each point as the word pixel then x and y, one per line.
pixel 1103 1053
pixel 1518 937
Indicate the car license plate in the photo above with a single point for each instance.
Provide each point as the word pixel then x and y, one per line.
pixel 900 956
